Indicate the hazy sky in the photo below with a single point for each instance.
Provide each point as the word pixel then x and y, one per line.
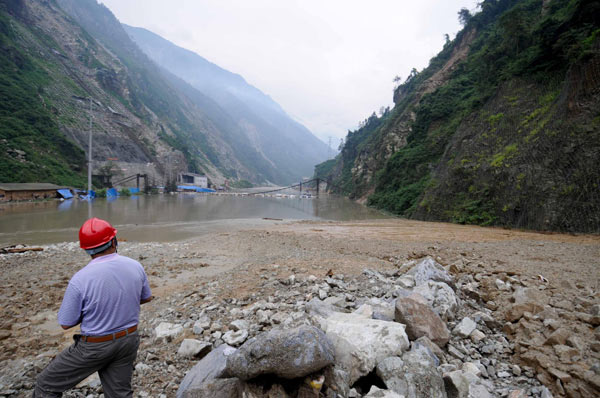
pixel 328 63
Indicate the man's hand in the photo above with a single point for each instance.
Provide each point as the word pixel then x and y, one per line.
pixel 146 300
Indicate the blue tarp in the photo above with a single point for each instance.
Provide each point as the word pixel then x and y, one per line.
pixel 134 190
pixel 194 188
pixel 65 193
pixel 111 192
pixel 89 196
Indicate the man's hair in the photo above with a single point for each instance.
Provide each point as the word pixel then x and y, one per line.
pixel 102 248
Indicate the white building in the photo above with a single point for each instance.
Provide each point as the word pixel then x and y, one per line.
pixel 197 180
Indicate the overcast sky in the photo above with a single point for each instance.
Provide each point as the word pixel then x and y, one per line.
pixel 328 63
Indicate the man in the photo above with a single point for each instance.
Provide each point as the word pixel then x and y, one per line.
pixel 104 297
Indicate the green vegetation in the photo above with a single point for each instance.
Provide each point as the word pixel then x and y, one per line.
pixel 32 149
pixel 477 146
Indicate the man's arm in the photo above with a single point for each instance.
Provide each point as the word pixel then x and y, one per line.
pixel 68 327
pixel 146 300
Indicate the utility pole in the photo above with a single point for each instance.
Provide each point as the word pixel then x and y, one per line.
pixel 90 152
pixel 329 148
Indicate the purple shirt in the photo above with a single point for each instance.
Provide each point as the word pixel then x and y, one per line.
pixel 105 295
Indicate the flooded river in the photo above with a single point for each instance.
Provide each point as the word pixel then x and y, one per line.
pixel 165 217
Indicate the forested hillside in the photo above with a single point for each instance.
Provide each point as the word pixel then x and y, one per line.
pixel 502 127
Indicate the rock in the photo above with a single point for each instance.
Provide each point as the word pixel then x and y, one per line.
pixel 465 327
pixel 382 310
pixel 215 388
pixel 461 384
pixel 545 393
pixel 430 270
pixel 264 317
pixel 477 336
pixel 564 377
pixel 168 331
pixel 239 324
pixel 516 370
pixel 433 348
pixel 376 392
pixel 415 375
pixel 516 311
pixel 406 281
pixel 472 368
pixel 286 353
pixel 360 343
pixel 517 394
pixel 338 380
pixel 210 367
pixel 421 320
pixel 190 348
pixel 501 285
pixel 316 307
pixel 440 297
pixel 559 336
pixel 235 338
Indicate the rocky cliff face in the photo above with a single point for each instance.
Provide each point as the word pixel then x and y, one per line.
pixel 500 129
pixel 59 54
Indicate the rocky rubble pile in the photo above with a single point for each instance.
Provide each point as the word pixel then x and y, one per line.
pixel 414 332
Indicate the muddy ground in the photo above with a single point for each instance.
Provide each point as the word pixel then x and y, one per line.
pixel 224 266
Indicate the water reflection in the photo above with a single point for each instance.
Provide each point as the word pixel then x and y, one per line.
pixel 163 217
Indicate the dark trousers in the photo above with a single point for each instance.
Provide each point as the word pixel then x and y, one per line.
pixel 113 360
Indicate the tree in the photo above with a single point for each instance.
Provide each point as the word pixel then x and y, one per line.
pixel 464 16
pixel 341 146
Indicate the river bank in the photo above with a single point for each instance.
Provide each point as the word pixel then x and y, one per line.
pixel 252 264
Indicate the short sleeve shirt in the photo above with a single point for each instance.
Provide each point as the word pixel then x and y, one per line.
pixel 105 295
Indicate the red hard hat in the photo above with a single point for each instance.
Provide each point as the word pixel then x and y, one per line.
pixel 95 232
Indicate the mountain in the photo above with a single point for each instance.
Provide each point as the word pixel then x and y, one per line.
pixel 502 127
pixel 59 54
pixel 292 149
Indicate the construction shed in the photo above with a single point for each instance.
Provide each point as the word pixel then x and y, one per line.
pixel 28 191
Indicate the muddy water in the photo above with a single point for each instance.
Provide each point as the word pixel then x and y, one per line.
pixel 165 217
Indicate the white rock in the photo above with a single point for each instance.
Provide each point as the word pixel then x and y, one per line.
pixel 471 367
pixel 168 331
pixel 440 297
pixel 477 335
pixel 322 294
pixel 239 324
pixel 465 327
pixel 406 281
pixel 190 348
pixel 264 317
pixel 360 343
pixel 364 310
pixel 376 392
pixel 141 368
pixel 235 338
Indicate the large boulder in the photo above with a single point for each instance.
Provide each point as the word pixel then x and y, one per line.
pixel 440 297
pixel 360 342
pixel 285 353
pixel 210 367
pixel 415 375
pixel 421 320
pixel 429 270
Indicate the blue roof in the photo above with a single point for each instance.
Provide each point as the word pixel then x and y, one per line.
pixel 65 193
